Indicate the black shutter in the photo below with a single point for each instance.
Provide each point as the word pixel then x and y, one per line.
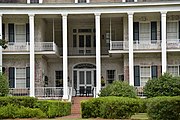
pixel 179 30
pixel 136 76
pixel 3 31
pixel 136 31
pixel 27 32
pixel 11 77
pixel 153 32
pixel 160 32
pixel 27 77
pixel 3 70
pixel 11 32
pixel 154 72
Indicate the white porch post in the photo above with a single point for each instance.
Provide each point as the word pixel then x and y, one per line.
pixel 65 59
pixel 32 56
pixel 0 46
pixel 163 42
pixel 123 0
pixel 131 58
pixel 98 54
pixel 76 1
pixel 28 1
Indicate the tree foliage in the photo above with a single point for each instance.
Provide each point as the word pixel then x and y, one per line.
pixel 166 85
pixel 118 88
pixel 4 85
pixel 3 43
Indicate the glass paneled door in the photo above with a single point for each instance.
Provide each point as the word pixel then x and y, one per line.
pixel 85 81
pixel 85 44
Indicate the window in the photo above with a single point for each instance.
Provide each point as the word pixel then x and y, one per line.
pixel 145 75
pixel 173 70
pixel 172 32
pixel 20 33
pixel 110 76
pixel 59 78
pixel 82 1
pixel 20 78
pixel 144 32
pixel 34 1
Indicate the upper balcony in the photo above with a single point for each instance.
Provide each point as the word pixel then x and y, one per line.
pixel 45 47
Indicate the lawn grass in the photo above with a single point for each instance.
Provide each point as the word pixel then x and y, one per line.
pixel 139 116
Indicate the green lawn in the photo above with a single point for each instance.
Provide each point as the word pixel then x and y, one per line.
pixel 139 116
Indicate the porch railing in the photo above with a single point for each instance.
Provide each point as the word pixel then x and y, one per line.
pixel 173 43
pixel 70 91
pixel 17 46
pixel 19 91
pixel 137 45
pixel 49 91
pixel 44 46
pixel 140 91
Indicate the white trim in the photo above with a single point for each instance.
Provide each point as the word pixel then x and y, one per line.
pixel 28 1
pixel 1 46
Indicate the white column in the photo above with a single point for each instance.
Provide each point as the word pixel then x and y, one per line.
pixel 76 1
pixel 28 1
pixel 131 58
pixel 40 1
pixel 163 42
pixel 123 0
pixel 135 0
pixel 32 56
pixel 88 1
pixel 65 59
pixel 98 53
pixel 0 46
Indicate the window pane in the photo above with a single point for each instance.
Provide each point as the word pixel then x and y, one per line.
pixel 173 70
pixel 172 30
pixel 59 78
pixel 145 74
pixel 81 40
pixel 88 77
pixel 110 76
pixel 81 77
pixel 20 33
pixel 88 40
pixel 144 31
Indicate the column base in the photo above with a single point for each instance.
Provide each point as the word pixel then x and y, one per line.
pixel 65 98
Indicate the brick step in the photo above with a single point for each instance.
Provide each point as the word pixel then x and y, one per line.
pixel 76 104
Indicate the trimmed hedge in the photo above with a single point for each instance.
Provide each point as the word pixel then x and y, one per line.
pixel 110 107
pixel 54 108
pixel 28 107
pixel 120 89
pixel 18 101
pixel 164 108
pixel 13 111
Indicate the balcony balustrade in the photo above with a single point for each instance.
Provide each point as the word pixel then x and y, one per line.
pixel 19 91
pixel 173 44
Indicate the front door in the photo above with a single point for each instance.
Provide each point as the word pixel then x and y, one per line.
pixel 85 45
pixel 85 81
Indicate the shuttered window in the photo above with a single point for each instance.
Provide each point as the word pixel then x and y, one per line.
pixel 3 31
pixel 27 33
pixel 20 78
pixel 20 33
pixel 144 34
pixel 172 31
pixel 145 73
pixel 27 77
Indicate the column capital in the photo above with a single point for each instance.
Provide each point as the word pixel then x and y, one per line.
pixel 163 12
pixel 97 14
pixel 64 14
pixel 130 13
pixel 31 15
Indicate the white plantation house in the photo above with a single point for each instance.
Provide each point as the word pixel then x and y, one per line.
pixel 63 48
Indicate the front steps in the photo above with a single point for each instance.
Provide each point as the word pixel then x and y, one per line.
pixel 76 104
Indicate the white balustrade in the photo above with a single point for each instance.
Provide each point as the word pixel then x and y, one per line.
pixel 173 43
pixel 44 46
pixel 17 46
pixel 49 91
pixel 19 91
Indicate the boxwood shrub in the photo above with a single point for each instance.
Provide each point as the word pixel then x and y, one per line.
pixel 18 101
pixel 110 107
pixel 13 111
pixel 164 108
pixel 54 108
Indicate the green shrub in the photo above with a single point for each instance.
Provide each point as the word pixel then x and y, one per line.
pixel 118 88
pixel 13 111
pixel 54 108
pixel 164 108
pixel 110 107
pixel 18 101
pixel 4 85
pixel 143 107
pixel 166 85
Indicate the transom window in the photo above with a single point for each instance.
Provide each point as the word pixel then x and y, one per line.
pixel 145 74
pixel 174 70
